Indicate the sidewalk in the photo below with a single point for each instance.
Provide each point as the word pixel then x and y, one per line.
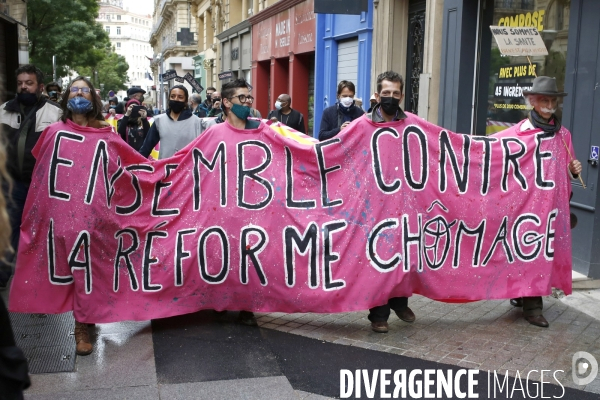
pixel 488 335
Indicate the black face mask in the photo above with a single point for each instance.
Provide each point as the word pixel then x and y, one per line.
pixel 390 105
pixel 27 99
pixel 176 106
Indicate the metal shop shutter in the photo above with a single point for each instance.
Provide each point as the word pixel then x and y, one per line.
pixel 347 67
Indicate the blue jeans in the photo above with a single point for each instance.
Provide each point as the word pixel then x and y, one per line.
pixel 15 202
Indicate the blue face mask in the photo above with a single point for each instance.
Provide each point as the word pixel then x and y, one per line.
pixel 79 105
pixel 242 112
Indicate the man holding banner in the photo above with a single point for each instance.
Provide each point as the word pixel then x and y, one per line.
pixel 389 95
pixel 543 97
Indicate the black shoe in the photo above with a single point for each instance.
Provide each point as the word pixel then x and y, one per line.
pixel 220 315
pixel 538 320
pixel 406 315
pixel 518 302
pixel 247 318
pixel 380 327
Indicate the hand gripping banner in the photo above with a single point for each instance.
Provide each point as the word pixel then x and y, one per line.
pixel 270 220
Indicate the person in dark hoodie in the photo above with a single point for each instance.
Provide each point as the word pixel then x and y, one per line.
pixel 174 129
pixel 338 116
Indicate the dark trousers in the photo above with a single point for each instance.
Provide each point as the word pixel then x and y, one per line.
pixel 382 313
pixel 15 204
pixel 14 377
pixel 532 306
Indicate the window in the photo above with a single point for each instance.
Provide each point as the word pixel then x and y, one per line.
pixel 108 17
pixel 501 80
pixel 118 30
pixel 118 17
pixel 118 45
pixel 107 29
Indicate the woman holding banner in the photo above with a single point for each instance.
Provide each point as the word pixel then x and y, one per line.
pixel 82 112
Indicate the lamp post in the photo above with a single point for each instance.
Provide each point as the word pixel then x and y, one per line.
pixel 160 99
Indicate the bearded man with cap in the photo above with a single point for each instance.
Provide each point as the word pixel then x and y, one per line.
pixel 543 97
pixel 22 121
pixel 138 94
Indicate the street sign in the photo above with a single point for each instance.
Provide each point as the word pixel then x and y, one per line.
pixel 193 82
pixel 519 41
pixel 249 87
pixel 225 75
pixel 171 74
pixel 179 79
pixel 594 152
pixel 111 93
pixel 354 7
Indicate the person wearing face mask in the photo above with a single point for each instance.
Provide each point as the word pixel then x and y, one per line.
pixel 54 91
pixel 22 121
pixel 285 114
pixel 174 129
pixel 237 103
pixel 338 116
pixel 82 114
pixel 543 97
pixel 389 95
pixel 207 104
pixel 215 105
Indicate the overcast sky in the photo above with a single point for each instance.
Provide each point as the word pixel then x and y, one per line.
pixel 139 6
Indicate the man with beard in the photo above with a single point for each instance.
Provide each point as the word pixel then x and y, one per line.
pixel 22 121
pixel 543 97
pixel 174 129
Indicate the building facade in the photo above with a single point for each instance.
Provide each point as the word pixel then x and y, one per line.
pixel 14 44
pixel 283 56
pixel 174 43
pixel 344 47
pixel 129 35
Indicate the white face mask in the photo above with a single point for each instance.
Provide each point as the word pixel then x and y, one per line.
pixel 278 105
pixel 346 101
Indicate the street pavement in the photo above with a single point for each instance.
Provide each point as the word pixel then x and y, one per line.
pixel 298 356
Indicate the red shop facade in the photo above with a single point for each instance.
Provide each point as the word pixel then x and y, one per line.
pixel 283 56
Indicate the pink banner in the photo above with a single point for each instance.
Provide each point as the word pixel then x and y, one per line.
pixel 268 220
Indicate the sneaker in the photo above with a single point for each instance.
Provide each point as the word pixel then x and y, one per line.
pixel 82 339
pixel 380 327
pixel 247 318
pixel 406 315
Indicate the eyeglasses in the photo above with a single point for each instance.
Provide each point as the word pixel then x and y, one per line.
pixel 75 89
pixel 244 99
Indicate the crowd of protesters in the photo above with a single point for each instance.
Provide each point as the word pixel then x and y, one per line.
pixel 36 106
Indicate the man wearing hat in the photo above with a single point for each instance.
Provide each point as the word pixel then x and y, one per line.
pixel 138 93
pixel 543 97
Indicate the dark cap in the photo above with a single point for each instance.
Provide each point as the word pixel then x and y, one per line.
pixel 546 86
pixel 135 90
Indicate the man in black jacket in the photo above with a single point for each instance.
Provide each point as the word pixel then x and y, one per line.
pixel 22 121
pixel 285 114
pixel 338 116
